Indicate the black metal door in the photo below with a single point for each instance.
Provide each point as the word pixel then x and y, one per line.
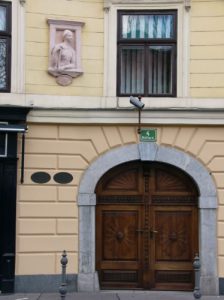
pixel 12 117
pixel 8 170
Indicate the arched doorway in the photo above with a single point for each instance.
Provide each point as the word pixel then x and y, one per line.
pixel 148 152
pixel 146 227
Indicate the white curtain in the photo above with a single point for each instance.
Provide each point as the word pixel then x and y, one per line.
pixel 147 26
pixel 2 18
pixel 159 57
pixel 160 70
pixel 3 54
pixel 132 70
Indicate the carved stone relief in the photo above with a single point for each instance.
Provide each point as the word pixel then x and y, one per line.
pixel 22 2
pixel 65 51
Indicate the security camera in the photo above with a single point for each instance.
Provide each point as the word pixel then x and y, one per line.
pixel 136 102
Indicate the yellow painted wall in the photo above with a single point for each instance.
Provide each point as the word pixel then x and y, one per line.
pixel 207 49
pixel 47 214
pixel 38 81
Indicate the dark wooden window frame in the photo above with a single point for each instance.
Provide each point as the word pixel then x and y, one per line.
pixel 146 43
pixel 6 34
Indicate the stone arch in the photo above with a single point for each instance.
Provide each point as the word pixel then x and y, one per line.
pixel 87 277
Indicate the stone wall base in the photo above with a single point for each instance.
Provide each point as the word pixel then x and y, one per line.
pixel 88 282
pixel 43 283
pixel 209 285
pixel 221 286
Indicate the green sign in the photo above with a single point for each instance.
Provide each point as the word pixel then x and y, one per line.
pixel 148 135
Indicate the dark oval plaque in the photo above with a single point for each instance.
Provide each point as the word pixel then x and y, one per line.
pixel 63 177
pixel 40 177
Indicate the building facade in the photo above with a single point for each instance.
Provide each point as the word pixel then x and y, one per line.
pixel 74 172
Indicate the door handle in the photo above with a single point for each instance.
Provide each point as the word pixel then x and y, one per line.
pixel 151 232
pixel 142 230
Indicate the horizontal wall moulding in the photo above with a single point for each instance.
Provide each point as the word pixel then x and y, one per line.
pixel 109 3
pixel 128 2
pixel 128 116
pixel 99 102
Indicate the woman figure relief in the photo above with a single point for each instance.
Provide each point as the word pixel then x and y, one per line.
pixel 63 56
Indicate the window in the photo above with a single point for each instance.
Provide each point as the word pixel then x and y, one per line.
pixel 5 45
pixel 147 53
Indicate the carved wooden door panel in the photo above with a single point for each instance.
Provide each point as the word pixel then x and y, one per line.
pixel 173 246
pixel 146 228
pixel 119 246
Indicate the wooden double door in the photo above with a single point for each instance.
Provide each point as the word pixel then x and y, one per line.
pixel 146 228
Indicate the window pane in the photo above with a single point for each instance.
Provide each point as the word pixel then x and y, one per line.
pixel 132 70
pixel 2 18
pixel 147 26
pixel 2 143
pixel 3 79
pixel 160 70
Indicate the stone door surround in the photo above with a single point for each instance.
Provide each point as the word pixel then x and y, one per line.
pixel 87 276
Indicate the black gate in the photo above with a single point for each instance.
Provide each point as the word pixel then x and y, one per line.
pixel 8 171
pixel 12 122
